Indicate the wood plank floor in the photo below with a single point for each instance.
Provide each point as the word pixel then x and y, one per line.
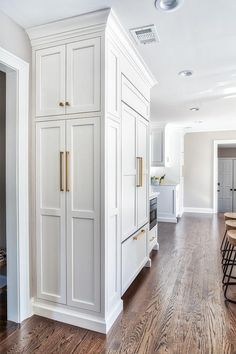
pixel 176 307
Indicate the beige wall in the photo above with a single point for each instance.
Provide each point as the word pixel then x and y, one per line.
pixel 227 152
pixel 198 167
pixel 14 38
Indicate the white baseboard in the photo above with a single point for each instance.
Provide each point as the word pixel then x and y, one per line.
pixel 75 318
pixel 199 210
pixel 167 219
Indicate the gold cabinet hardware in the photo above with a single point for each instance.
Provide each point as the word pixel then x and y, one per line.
pixel 61 171
pixel 67 103
pixel 67 171
pixel 140 171
pixel 138 236
pixel 61 104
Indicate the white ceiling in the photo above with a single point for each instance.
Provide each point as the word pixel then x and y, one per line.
pixel 200 36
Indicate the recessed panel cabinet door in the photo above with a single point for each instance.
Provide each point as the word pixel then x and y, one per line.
pixel 50 81
pixel 83 225
pixel 129 178
pixel 83 76
pixel 50 211
pixel 142 137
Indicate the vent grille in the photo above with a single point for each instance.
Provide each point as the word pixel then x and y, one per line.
pixel 145 35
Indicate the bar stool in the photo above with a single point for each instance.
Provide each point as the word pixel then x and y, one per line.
pixel 230 263
pixel 229 225
pixel 227 216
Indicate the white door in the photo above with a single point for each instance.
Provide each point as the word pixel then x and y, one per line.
pixel 225 185
pixel 83 76
pixel 83 205
pixel 50 211
pixel 50 81
pixel 129 175
pixel 142 143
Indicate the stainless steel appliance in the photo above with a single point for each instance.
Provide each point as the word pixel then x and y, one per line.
pixel 153 213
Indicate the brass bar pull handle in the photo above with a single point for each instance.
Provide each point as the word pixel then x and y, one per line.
pixel 61 171
pixel 67 171
pixel 141 172
pixel 138 184
pixel 137 237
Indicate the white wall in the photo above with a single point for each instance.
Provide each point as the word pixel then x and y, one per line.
pixel 14 38
pixel 2 160
pixel 198 167
pixel 174 149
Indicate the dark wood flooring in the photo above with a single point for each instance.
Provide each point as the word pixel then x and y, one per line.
pixel 176 307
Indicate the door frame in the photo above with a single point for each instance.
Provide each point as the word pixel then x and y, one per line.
pixel 17 187
pixel 216 145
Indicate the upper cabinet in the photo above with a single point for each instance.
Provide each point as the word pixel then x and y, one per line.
pixel 158 146
pixel 50 81
pixel 68 78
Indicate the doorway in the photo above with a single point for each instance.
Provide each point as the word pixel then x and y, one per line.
pixel 224 176
pixel 14 187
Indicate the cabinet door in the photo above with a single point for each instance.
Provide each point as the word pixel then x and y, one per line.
pixel 50 212
pixel 157 147
pixel 50 81
pixel 142 136
pixel 83 219
pixel 83 76
pixel 129 215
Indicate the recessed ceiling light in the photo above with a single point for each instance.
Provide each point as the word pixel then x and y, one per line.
pixel 198 121
pixel 194 109
pixel 185 73
pixel 167 5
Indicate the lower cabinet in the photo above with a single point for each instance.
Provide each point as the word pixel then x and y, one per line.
pixel 168 206
pixel 134 256
pixel 67 212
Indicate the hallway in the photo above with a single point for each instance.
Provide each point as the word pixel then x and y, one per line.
pixel 175 307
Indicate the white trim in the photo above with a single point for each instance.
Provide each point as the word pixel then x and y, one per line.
pixel 167 219
pixel 198 210
pixel 215 169
pixel 22 302
pixel 73 317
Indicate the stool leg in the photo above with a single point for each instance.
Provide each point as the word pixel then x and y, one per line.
pixel 227 263
pixel 223 241
pixel 225 250
pixel 230 283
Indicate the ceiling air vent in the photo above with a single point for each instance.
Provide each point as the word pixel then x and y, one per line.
pixel 145 35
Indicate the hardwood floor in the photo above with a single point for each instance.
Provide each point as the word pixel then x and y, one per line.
pixel 176 307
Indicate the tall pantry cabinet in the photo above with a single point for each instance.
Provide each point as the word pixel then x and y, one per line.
pixel 91 182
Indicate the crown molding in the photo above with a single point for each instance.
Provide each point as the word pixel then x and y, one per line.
pixel 70 27
pixel 117 32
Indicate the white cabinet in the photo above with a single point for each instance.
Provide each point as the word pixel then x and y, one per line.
pixel 168 205
pixel 50 211
pixel 134 171
pixel 68 78
pixel 50 81
pixel 129 172
pixel 134 256
pixel 90 190
pixel 68 212
pixel 83 76
pixel 142 141
pixel 83 235
pixel 158 147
